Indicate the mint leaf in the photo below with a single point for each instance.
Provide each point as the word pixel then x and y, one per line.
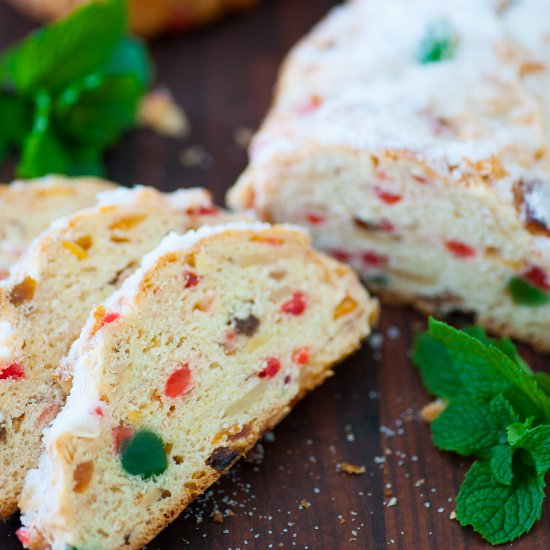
pixel 500 513
pixel 536 441
pixel 53 56
pixel 471 428
pixel 100 113
pixel 16 122
pixel 503 344
pixel 42 154
pixel 543 381
pixel 500 462
pixel 525 294
pixel 439 42
pixel 439 372
pixel 485 372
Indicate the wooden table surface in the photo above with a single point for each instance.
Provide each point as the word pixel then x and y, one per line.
pixel 367 414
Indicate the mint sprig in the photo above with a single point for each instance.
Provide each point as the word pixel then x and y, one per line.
pixel 69 90
pixel 497 410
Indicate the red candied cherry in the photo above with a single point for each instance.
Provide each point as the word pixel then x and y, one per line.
pixel 386 225
pixel 121 434
pixel 314 218
pixel 387 196
pixel 374 259
pixel 272 367
pixel 460 249
pixel 191 279
pixel 537 277
pixel 296 305
pixel 110 318
pixel 311 105
pixel 300 356
pixel 340 255
pixel 46 415
pixel 14 371
pixel 420 179
pixel 178 382
pixel 24 535
pixel 209 210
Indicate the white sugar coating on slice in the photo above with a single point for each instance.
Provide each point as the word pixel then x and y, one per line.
pixel 537 201
pixel 6 332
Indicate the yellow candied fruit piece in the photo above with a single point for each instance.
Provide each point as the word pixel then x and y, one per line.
pixel 134 416
pixel 127 223
pixel 76 249
pixel 347 305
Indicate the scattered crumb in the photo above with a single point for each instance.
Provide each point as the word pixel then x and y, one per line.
pixel 392 502
pixel 394 333
pixel 420 482
pixel 452 515
pixel 255 455
pixel 379 459
pixel 432 410
pixel 341 521
pixel 196 156
pixel 305 504
pixel 242 136
pixel 351 469
pixel 217 517
pixel 159 112
pixel 376 340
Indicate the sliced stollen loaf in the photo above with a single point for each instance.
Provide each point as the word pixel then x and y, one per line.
pixel 44 304
pixel 28 207
pixel 422 159
pixel 147 17
pixel 209 344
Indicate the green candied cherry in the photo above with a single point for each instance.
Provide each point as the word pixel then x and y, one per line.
pixel 526 294
pixel 143 455
pixel 439 42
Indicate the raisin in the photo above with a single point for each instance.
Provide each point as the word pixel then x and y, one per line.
pixel 248 326
pixel 23 292
pixel 3 435
pixel 222 458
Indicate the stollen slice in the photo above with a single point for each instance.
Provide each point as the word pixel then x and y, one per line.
pixel 28 207
pixel 178 374
pixel 78 262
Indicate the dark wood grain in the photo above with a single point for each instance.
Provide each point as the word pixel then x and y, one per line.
pixel 368 412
